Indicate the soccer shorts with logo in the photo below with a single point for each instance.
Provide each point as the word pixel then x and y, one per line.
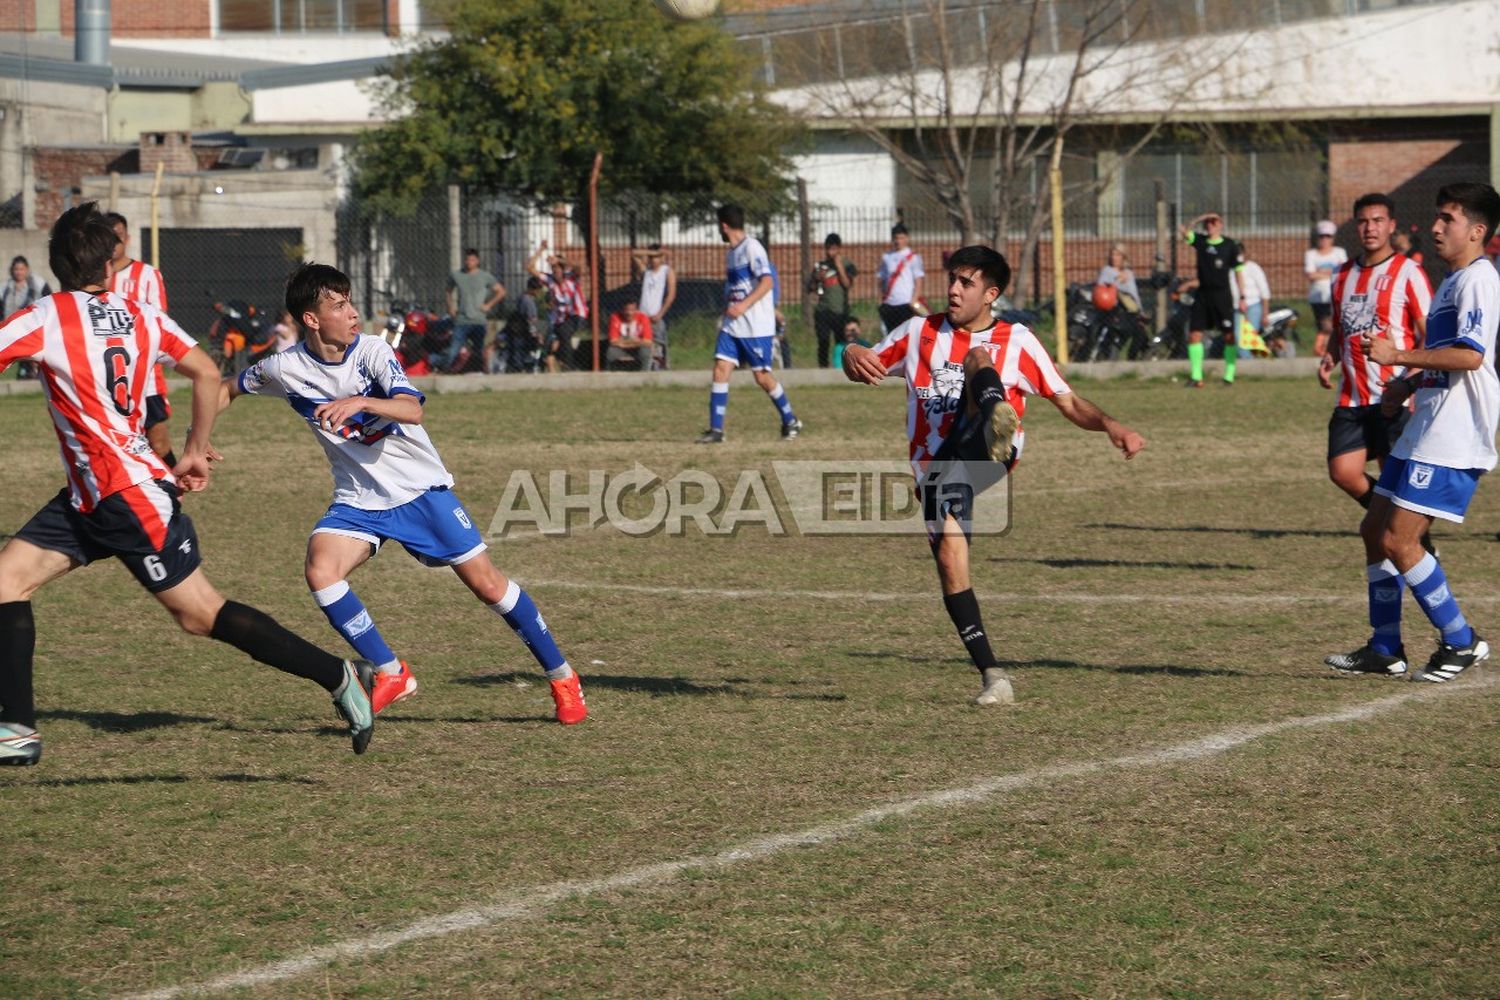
pixel 142 526
pixel 751 352
pixel 1435 490
pixel 434 527
pixel 1212 310
pixel 1356 428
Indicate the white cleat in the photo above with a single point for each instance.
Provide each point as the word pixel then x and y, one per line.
pixel 997 689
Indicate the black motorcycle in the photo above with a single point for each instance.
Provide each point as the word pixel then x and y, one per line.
pixel 239 335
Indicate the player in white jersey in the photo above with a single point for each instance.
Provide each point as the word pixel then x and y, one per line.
pixel 137 280
pixel 747 334
pixel 1449 442
pixel 388 483
pixel 967 379
pixel 95 350
pixel 899 276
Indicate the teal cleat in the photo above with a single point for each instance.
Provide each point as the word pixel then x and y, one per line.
pixel 352 702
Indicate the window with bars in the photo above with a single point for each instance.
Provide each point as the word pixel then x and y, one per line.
pixel 299 16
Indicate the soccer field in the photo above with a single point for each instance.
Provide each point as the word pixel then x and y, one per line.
pixel 782 790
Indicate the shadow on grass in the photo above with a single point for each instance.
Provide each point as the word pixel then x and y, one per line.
pixel 177 779
pixel 1208 529
pixel 1123 564
pixel 1160 669
pixel 657 687
pixel 120 722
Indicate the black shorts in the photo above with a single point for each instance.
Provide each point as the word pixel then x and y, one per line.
pixel 1212 311
pixel 158 411
pixel 1321 311
pixel 1363 428
pixel 143 527
pixel 942 496
pixel 893 316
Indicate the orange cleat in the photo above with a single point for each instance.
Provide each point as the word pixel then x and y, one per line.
pixel 568 695
pixel 391 688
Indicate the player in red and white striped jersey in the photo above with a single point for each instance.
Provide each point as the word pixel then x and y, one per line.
pixel 140 282
pixel 95 350
pixel 967 379
pixel 1380 290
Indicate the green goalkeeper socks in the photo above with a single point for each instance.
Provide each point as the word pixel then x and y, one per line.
pixel 1195 361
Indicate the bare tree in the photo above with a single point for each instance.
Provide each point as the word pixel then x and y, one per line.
pixel 976 96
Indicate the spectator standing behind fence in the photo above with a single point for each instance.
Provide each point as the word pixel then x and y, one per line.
pixel 22 290
pixel 830 281
pixel 629 338
pixel 1213 308
pixel 1118 273
pixel 472 293
pixel 521 333
pixel 1320 262
pixel 568 310
pixel 658 290
pixel 1252 295
pixel 900 276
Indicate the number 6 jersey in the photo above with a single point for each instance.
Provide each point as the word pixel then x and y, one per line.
pixel 96 354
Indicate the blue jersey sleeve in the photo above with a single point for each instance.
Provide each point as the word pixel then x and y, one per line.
pixel 387 372
pixel 1475 314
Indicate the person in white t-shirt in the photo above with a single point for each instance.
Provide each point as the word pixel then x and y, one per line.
pixel 1448 444
pixel 1320 262
pixel 658 292
pixel 1252 296
pixel 389 484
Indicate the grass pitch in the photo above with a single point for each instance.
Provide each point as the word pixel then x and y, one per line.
pixel 198 815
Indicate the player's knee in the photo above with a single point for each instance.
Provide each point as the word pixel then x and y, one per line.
pixel 976 359
pixel 320 577
pixel 195 620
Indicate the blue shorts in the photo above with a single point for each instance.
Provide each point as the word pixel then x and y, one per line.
pixel 1435 490
pixel 434 527
pixel 752 352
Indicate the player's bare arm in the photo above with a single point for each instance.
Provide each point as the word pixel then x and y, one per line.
pixel 762 289
pixel 1088 416
pixel 862 364
pixel 403 408
pixel 192 471
pixel 1443 359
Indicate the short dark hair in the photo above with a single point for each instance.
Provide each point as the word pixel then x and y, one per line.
pixel 471 252
pixel 988 261
pixel 732 216
pixel 80 247
pixel 116 219
pixel 18 259
pixel 832 240
pixel 899 229
pixel 1479 201
pixel 1374 199
pixel 309 283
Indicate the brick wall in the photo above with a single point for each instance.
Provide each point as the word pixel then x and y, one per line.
pixel 173 150
pixel 59 170
pixel 146 18
pixel 1409 170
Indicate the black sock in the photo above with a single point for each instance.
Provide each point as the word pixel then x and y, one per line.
pixel 17 644
pixel 963 608
pixel 987 390
pixel 257 634
pixel 1369 494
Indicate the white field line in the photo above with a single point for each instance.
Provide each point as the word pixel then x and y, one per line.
pixel 1033 597
pixel 533 900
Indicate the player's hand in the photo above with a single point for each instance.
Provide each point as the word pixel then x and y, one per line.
pixel 335 414
pixel 1379 348
pixel 1326 365
pixel 193 469
pixel 1128 441
pixel 1396 393
pixel 861 364
pixel 734 311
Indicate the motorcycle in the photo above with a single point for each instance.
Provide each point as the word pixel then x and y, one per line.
pixel 416 334
pixel 1100 328
pixel 239 335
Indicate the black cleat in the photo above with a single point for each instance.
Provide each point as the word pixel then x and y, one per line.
pixel 791 429
pixel 1447 662
pixel 711 436
pixel 1366 660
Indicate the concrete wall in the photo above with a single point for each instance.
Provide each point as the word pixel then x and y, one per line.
pixel 234 199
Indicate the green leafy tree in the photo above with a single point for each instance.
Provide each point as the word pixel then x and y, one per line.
pixel 522 94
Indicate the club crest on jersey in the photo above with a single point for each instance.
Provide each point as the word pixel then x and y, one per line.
pixel 1384 282
pixel 108 320
pixel 1421 476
